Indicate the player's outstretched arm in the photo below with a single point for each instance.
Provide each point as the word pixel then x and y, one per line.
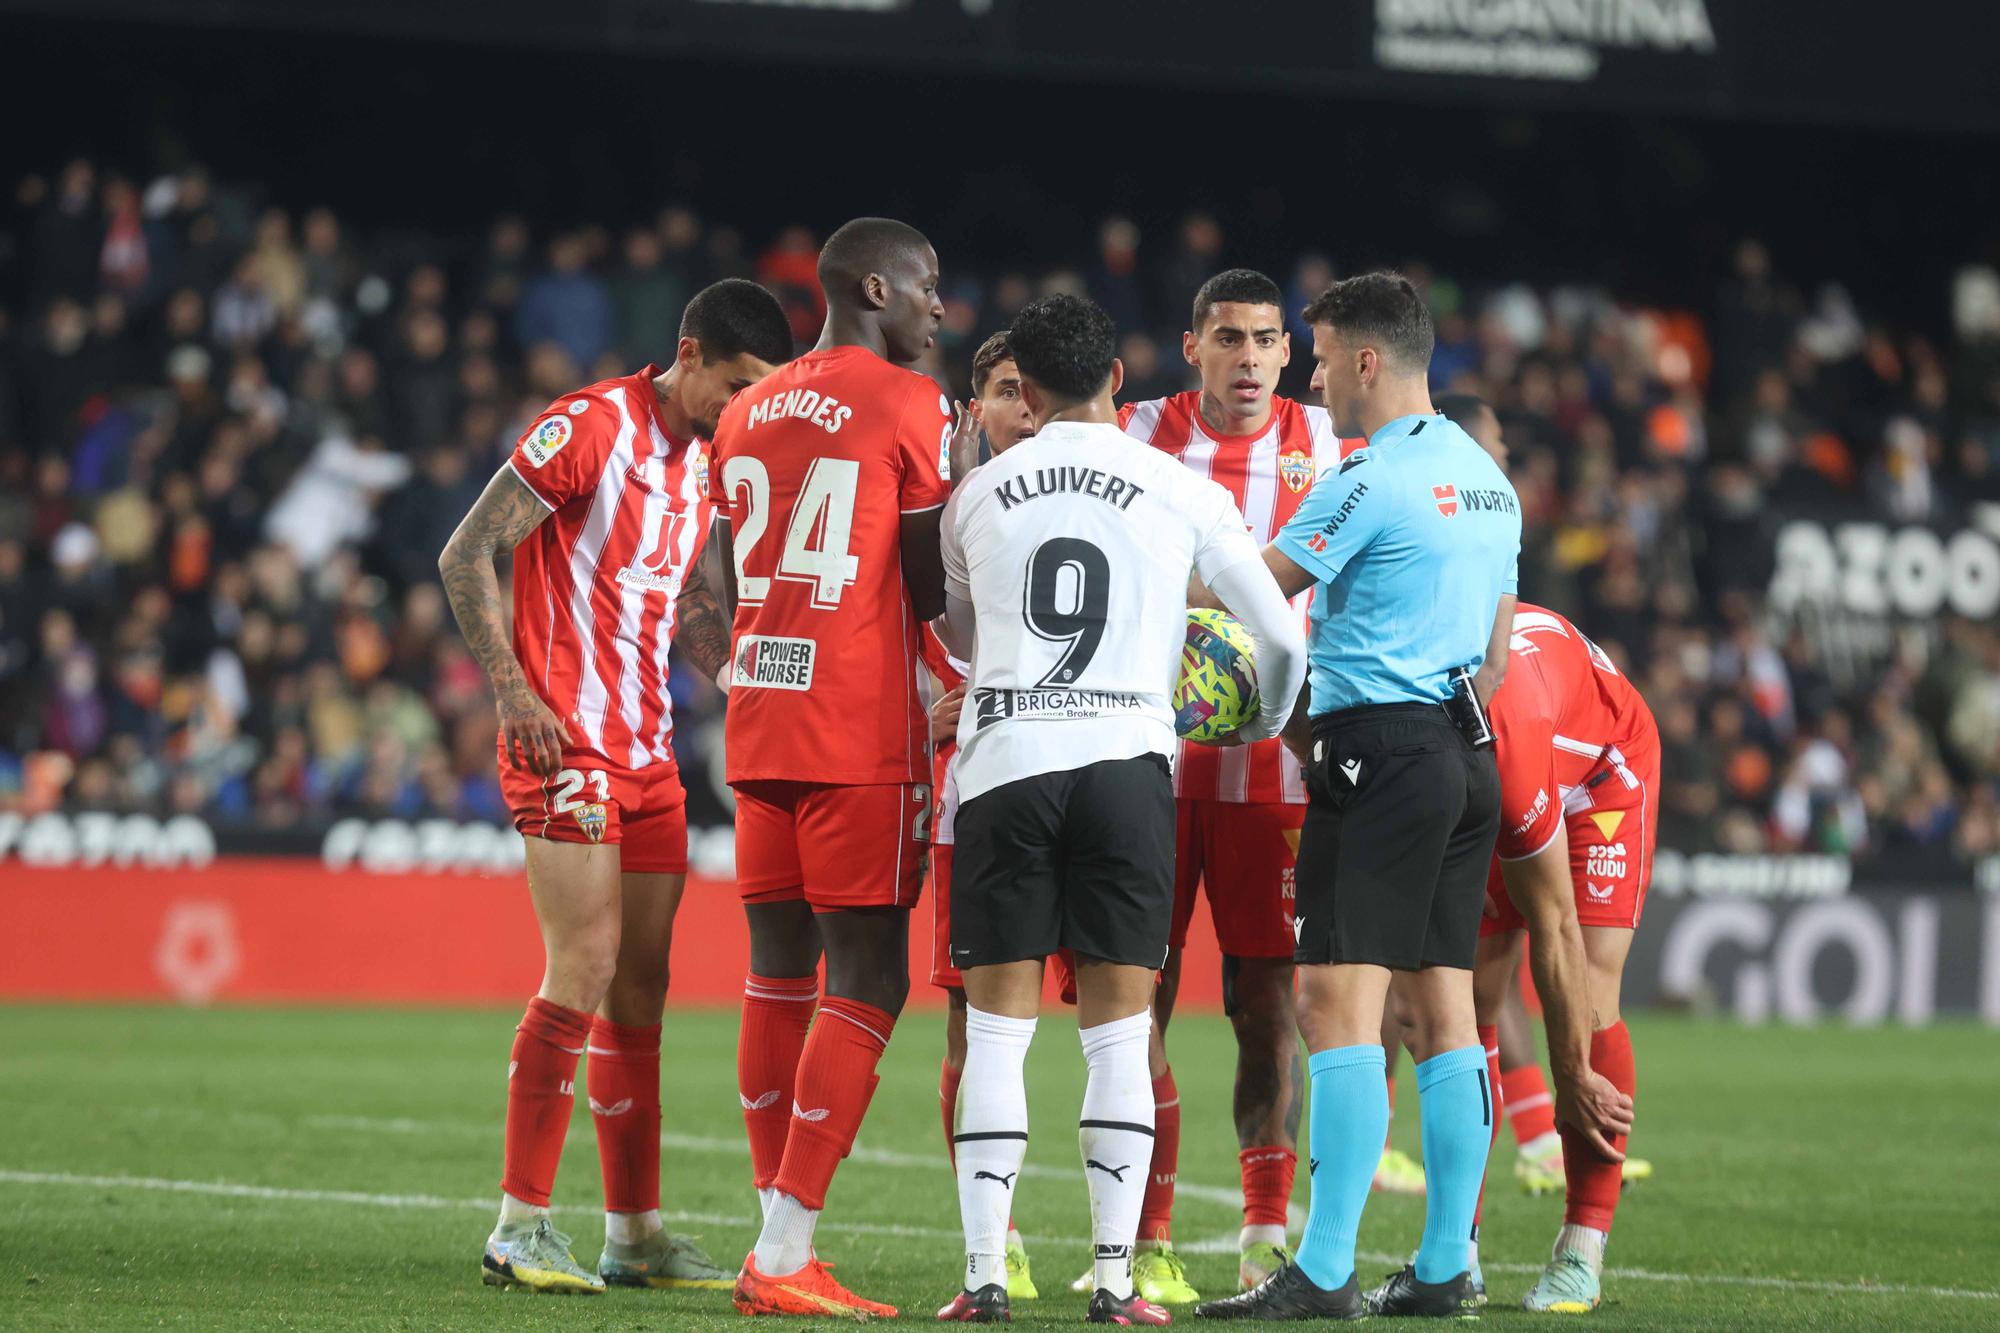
pixel 1253 596
pixel 503 516
pixel 1541 888
pixel 1493 669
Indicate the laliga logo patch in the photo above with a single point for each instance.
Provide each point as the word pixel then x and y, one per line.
pixel 1447 499
pixel 548 436
pixel 592 819
pixel 1297 470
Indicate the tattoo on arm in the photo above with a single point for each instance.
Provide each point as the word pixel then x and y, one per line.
pixel 503 516
pixel 701 631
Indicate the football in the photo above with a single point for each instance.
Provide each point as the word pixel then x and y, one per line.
pixel 1216 691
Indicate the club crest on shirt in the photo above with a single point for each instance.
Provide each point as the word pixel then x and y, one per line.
pixel 545 439
pixel 1297 470
pixel 699 461
pixel 592 819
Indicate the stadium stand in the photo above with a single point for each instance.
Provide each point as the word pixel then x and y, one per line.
pixel 234 436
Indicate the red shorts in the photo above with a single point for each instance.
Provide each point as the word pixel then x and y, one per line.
pixel 833 847
pixel 1610 858
pixel 1243 854
pixel 642 812
pixel 942 972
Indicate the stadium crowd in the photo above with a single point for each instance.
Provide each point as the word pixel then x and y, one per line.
pixel 234 437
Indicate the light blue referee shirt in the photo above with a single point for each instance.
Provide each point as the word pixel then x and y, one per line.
pixel 1413 539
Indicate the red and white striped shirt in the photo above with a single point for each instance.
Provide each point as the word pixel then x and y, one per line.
pixel 594 586
pixel 1267 473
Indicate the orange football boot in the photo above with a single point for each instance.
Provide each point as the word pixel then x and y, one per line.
pixel 811 1292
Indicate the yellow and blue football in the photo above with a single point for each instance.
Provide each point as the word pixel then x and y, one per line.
pixel 1217 689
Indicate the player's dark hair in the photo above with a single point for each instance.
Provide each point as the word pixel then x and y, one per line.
pixel 1244 285
pixel 1382 310
pixel 1463 410
pixel 1066 345
pixel 990 354
pixel 864 246
pixel 735 316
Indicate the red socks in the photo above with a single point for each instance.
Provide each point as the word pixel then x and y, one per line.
pixel 1489 1041
pixel 1592 1196
pixel 1156 1210
pixel 1531 1112
pixel 624 1081
pixel 1267 1184
pixel 541 1088
pixel 836 1079
pixel 777 1011
pixel 948 1104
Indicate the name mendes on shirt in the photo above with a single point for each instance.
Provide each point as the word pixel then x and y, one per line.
pixel 1114 491
pixel 829 414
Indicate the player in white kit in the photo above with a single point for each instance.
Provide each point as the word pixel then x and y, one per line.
pixel 1066 569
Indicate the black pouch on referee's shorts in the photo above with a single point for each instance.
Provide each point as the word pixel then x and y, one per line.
pixel 1466 712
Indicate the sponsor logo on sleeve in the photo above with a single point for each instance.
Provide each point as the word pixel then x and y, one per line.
pixel 1535 811
pixel 545 440
pixel 1447 499
pixel 579 407
pixel 764 662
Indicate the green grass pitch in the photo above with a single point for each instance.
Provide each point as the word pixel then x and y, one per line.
pixel 337 1168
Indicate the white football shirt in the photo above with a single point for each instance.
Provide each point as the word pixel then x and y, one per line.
pixel 1074 548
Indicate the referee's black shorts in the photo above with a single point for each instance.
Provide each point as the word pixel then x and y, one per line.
pixel 1082 859
pixel 1398 835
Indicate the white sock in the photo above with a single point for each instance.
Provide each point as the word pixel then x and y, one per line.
pixel 990 1138
pixel 1585 1241
pixel 1259 1235
pixel 1014 1237
pixel 785 1245
pixel 1472 1255
pixel 1542 1145
pixel 1116 1135
pixel 632 1228
pixel 519 1212
pixel 764 1197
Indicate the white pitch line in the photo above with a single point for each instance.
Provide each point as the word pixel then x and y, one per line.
pixel 731 1147
pixel 231 1190
pixel 877 1157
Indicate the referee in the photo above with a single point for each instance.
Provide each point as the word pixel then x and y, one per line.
pixel 1411 548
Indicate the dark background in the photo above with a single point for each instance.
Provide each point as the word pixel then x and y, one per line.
pixel 433 138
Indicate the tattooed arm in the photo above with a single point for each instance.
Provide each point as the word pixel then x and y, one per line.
pixel 505 513
pixel 701 627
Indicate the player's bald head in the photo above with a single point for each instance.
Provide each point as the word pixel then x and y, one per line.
pixel 867 246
